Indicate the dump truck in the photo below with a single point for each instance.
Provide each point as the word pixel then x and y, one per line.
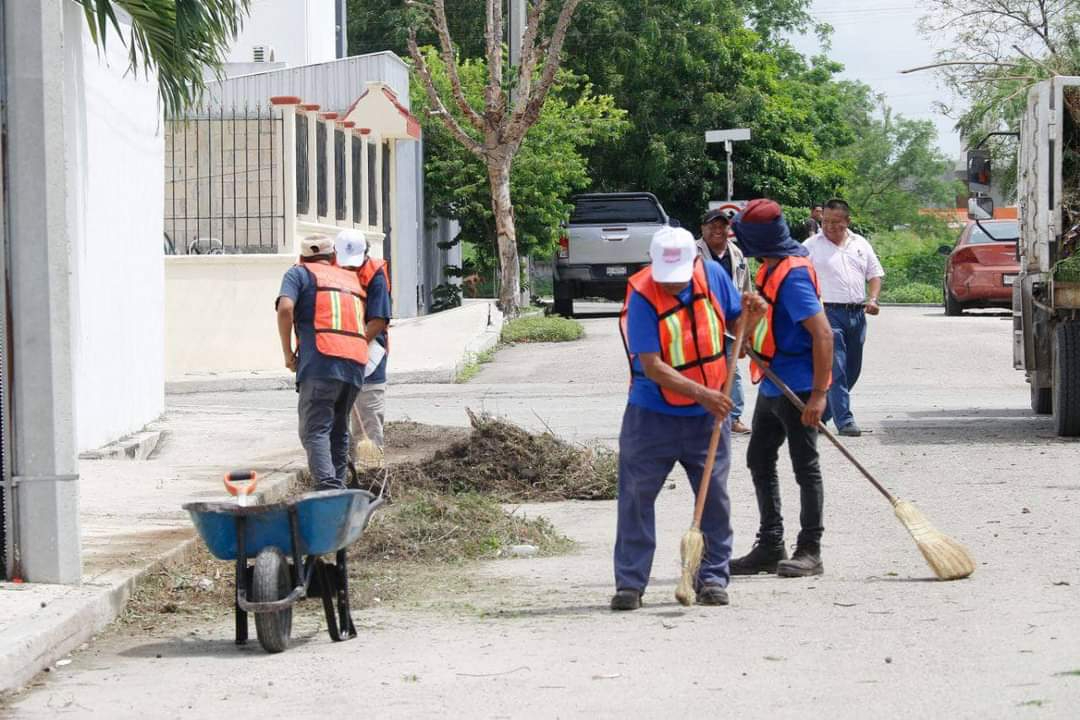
pixel 1046 293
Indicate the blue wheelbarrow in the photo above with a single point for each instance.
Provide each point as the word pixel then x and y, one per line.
pixel 287 541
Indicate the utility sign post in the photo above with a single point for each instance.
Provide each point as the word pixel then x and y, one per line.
pixel 728 137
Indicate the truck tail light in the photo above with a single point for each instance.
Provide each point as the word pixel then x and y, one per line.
pixel 564 247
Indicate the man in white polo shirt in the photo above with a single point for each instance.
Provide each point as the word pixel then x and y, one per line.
pixel 846 265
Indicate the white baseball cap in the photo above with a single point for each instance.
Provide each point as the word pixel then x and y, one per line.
pixel 351 246
pixel 314 245
pixel 672 251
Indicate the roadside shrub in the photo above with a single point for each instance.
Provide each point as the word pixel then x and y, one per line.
pixel 913 267
pixel 912 293
pixel 541 329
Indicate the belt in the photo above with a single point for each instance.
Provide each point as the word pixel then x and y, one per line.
pixel 846 306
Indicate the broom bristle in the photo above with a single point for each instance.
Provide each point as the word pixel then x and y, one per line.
pixel 947 558
pixel 368 454
pixel 692 548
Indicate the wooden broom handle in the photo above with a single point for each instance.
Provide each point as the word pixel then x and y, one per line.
pixel 714 440
pixel 800 405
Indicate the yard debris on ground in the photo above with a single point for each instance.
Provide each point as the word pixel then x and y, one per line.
pixel 506 462
pixel 449 486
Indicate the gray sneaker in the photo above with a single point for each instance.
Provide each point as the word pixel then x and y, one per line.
pixel 851 430
pixel 805 562
pixel 712 595
pixel 626 599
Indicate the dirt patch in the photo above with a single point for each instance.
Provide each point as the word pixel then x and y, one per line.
pixel 408 441
pixel 507 463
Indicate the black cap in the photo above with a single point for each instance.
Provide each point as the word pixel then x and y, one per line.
pixel 718 214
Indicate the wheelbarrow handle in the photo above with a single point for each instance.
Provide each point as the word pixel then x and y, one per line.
pixel 241 482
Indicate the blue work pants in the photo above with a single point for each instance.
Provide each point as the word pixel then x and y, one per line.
pixel 650 444
pixel 849 334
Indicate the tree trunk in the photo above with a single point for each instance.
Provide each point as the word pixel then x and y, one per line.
pixel 506 233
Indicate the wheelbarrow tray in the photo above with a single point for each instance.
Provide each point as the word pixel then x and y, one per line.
pixel 326 522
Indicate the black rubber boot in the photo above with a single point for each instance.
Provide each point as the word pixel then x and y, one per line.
pixel 762 558
pixel 626 600
pixel 805 562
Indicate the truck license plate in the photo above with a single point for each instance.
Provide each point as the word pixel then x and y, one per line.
pixel 1008 279
pixel 616 269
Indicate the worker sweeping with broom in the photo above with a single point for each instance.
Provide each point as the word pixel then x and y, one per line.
pixel 672 324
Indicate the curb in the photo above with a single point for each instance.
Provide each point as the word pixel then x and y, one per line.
pixel 139 446
pixel 92 614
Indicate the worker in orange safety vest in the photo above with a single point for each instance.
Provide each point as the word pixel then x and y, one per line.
pixel 324 305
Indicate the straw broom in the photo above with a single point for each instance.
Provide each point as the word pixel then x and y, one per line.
pixel 946 557
pixel 692 546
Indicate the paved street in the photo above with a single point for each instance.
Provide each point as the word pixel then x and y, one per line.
pixel 533 638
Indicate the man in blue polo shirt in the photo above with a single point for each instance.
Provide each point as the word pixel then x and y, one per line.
pixel 797 339
pixel 369 410
pixel 673 324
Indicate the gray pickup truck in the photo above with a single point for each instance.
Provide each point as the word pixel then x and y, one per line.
pixel 605 242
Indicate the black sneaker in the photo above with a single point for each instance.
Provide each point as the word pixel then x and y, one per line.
pixel 805 562
pixel 712 595
pixel 851 430
pixel 762 558
pixel 626 599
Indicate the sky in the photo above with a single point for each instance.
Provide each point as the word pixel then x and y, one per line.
pixel 874 40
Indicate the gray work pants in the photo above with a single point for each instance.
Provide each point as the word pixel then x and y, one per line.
pixel 368 414
pixel 324 430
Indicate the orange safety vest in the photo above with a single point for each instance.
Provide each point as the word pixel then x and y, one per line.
pixel 339 312
pixel 691 335
pixel 367 273
pixel 768 282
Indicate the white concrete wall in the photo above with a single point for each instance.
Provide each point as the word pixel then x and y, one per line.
pixel 301 32
pixel 115 152
pixel 219 313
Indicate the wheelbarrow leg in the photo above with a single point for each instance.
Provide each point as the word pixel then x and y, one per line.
pixel 328 587
pixel 344 614
pixel 241 582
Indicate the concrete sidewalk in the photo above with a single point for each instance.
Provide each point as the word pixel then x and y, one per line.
pixel 130 509
pixel 427 349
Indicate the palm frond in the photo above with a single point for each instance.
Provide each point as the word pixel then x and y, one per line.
pixel 179 39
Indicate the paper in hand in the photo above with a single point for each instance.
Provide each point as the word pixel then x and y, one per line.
pixel 376 353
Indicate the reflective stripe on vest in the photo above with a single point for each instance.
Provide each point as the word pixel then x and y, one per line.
pixel 691 336
pixel 768 283
pixel 339 313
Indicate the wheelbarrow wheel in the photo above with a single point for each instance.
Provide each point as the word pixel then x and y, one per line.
pixel 271 582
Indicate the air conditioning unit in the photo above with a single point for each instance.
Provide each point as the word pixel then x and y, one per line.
pixel 262 54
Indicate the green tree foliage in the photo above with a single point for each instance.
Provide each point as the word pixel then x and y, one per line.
pixel 378 25
pixel 548 168
pixel 995 50
pixel 681 67
pixel 895 169
pixel 179 39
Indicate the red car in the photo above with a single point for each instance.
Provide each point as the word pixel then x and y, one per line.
pixel 982 266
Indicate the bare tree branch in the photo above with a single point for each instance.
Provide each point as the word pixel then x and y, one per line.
pixel 530 54
pixel 957 62
pixel 521 121
pixel 448 120
pixel 493 93
pixel 446 51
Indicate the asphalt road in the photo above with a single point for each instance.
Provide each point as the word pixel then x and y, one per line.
pixel 875 636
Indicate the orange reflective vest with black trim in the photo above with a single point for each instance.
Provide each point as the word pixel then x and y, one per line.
pixel 339 312
pixel 768 282
pixel 367 273
pixel 691 335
